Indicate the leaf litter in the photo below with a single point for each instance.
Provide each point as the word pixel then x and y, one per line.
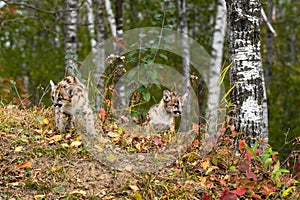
pixel 38 162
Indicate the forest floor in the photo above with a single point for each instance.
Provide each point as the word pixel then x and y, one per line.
pixel 37 162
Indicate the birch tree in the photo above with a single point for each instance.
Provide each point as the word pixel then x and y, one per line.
pixel 100 52
pixel 246 74
pixel 183 28
pixel 110 17
pixel 215 66
pixel 70 36
pixel 119 38
pixel 91 26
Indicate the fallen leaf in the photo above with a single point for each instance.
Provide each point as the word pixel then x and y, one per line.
pixel 113 134
pixel 56 138
pixel 134 188
pixel 24 165
pixel 251 175
pixel 75 144
pixel 205 165
pixel 82 192
pixel 239 192
pixel 128 168
pixel 205 196
pixel 65 145
pixel 241 145
pixel 79 138
pixel 226 195
pixel 41 196
pixel 137 196
pixel 18 148
pixel 46 121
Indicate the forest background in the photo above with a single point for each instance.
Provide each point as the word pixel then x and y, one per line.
pixel 32 53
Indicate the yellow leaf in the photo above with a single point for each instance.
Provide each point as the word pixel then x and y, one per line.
pixel 65 145
pixel 128 168
pixel 18 148
pixel 205 165
pixel 137 196
pixel 82 192
pixel 75 144
pixel 111 158
pixel 56 138
pixel 41 196
pixel 287 191
pixel 79 138
pixel 46 121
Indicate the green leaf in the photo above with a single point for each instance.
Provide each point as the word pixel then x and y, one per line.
pixel 233 169
pixel 146 96
pixel 268 162
pixel 163 56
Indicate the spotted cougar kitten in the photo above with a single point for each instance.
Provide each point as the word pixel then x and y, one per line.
pixel 161 116
pixel 70 99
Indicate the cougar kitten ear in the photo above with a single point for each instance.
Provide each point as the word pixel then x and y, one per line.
pixel 166 95
pixel 52 84
pixel 70 91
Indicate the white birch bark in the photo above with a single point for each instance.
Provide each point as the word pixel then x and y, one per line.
pixel 70 36
pixel 91 26
pixel 215 67
pixel 111 17
pixel 183 28
pixel 120 66
pixel 100 63
pixel 246 71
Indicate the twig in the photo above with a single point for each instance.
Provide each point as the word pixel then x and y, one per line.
pixel 263 14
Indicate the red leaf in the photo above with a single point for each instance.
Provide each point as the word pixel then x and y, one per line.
pixel 241 145
pixel 274 158
pixel 223 182
pixel 239 192
pixel 268 189
pixel 248 156
pixel 205 196
pixel 251 175
pixel 297 165
pixel 226 195
pixel 102 112
pixel 25 165
pixel 243 166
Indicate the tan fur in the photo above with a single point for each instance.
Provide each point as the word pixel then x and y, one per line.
pixel 161 116
pixel 70 99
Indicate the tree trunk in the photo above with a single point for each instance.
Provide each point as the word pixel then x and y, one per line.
pixel 110 17
pixel 183 28
pixel 119 32
pixel 91 26
pixel 216 66
pixel 100 66
pixel 246 75
pixel 70 36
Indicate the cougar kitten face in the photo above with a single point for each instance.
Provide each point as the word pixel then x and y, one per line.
pixel 70 98
pixel 170 106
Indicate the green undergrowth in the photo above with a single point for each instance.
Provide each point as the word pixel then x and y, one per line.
pixel 37 162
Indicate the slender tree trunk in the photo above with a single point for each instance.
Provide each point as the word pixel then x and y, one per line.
pixel 70 36
pixel 183 28
pixel 91 26
pixel 246 75
pixel 110 17
pixel 216 66
pixel 119 32
pixel 100 66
